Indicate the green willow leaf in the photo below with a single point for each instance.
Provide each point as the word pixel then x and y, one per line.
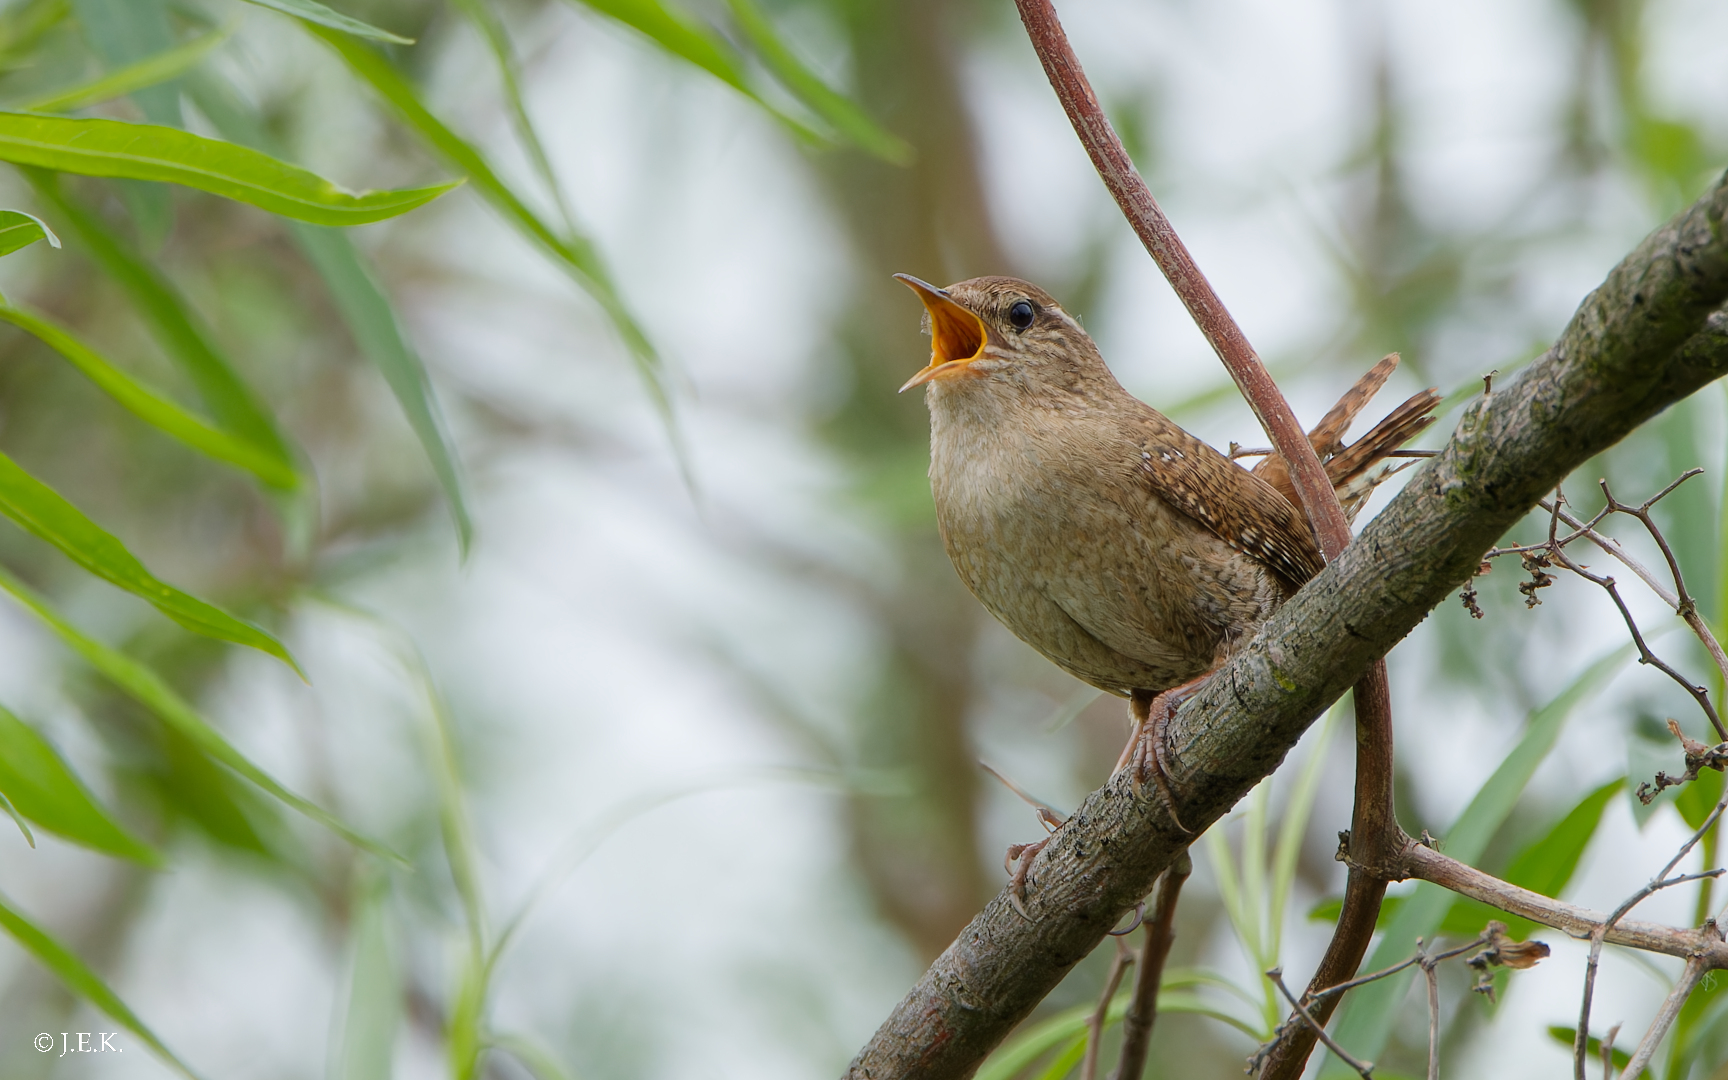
pixel 151 71
pixel 678 35
pixel 374 988
pixel 366 309
pixel 20 230
pixel 122 33
pixel 852 122
pixel 532 1056
pixel 1545 866
pixel 43 788
pixel 575 254
pixel 23 25
pixel 17 819
pixel 182 335
pixel 144 686
pixel 153 152
pixel 1063 1063
pixel 1369 1013
pixel 696 44
pixel 77 977
pixel 504 56
pixel 314 12
pixel 1568 1037
pixel 40 509
pixel 153 408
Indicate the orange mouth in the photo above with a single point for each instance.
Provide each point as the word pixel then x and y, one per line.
pixel 956 335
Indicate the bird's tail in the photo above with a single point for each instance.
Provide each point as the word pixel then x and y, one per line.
pixel 1352 469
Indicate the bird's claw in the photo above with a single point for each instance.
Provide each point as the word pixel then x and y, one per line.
pixel 1145 753
pixel 1023 854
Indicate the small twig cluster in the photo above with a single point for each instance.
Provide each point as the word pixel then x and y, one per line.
pixel 1695 965
pixel 1494 947
pixel 1538 558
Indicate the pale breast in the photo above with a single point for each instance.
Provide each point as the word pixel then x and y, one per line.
pixel 1053 528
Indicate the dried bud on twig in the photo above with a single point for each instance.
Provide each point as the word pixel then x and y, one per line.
pixel 1537 564
pixel 1699 756
pixel 1503 951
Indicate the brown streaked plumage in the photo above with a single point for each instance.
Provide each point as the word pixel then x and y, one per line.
pixel 1131 554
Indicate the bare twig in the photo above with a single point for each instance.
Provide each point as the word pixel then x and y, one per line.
pixel 1048 816
pixel 1364 1068
pixel 1645 656
pixel 1427 864
pixel 1095 1023
pixel 1608 1052
pixel 1143 1007
pixel 1433 977
pixel 1679 600
pixel 1537 557
pixel 1659 882
pixel 1492 940
pixel 1671 1005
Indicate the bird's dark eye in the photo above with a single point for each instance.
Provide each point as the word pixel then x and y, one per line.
pixel 1021 314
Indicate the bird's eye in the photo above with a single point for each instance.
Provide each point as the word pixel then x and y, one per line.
pixel 1021 314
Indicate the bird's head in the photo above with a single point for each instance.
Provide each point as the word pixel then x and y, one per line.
pixel 1000 327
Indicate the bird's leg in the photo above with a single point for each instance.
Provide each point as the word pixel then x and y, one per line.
pixel 1024 854
pixel 1144 754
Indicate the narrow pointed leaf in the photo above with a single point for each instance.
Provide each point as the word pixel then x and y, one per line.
pixel 1545 866
pixel 20 230
pixel 372 320
pixel 17 819
pixel 43 788
pixel 576 255
pixel 153 152
pixel 152 407
pixel 1368 1013
pixel 532 1056
pixel 374 989
pixel 77 977
pixel 123 32
pixel 145 73
pixel 314 12
pixel 696 44
pixel 1063 1063
pixel 678 35
pixel 487 22
pixel 23 25
pixel 367 311
pixel 40 509
pixel 144 686
pixel 852 122
pixel 182 335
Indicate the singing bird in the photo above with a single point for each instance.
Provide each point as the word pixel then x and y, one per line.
pixel 1131 554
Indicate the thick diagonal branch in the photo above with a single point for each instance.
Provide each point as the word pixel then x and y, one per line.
pixel 1638 344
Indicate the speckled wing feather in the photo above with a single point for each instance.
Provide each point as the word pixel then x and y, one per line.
pixel 1238 507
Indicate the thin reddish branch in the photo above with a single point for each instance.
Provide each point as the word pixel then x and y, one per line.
pixel 1117 171
pixel 1143 1007
pixel 1373 822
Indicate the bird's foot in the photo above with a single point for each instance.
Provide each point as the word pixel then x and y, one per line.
pixel 1018 860
pixel 1018 863
pixel 1144 755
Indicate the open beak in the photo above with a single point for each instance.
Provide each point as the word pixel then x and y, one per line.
pixel 956 335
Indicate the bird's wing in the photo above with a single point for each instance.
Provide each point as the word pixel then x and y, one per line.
pixel 1241 509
